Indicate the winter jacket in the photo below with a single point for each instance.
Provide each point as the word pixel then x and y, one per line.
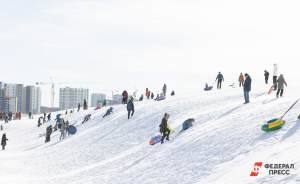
pixel 267 74
pixel 125 94
pixel 164 125
pixel 247 84
pixel 164 88
pixel 281 82
pixel 49 130
pixel 130 106
pixel 241 78
pixel 3 140
pixel 220 77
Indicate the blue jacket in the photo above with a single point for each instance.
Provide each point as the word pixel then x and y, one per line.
pixel 130 105
pixel 247 84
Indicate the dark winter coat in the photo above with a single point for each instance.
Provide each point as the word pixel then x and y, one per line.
pixel 130 106
pixel 164 125
pixel 281 82
pixel 49 130
pixel 220 77
pixel 267 74
pixel 125 94
pixel 247 84
pixel 3 140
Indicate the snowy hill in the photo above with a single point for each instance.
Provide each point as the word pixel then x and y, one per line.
pixel 222 147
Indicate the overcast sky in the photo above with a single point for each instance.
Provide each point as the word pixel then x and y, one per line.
pixel 130 44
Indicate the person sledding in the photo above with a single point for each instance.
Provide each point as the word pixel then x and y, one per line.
pixel 164 128
pixel 108 112
pixel 86 118
pixel 207 87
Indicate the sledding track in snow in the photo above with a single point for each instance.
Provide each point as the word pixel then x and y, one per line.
pixel 222 146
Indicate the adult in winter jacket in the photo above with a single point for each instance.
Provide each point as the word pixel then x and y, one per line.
pixel 275 74
pixel 125 97
pixel 247 87
pixel 280 85
pixel 163 127
pixel 49 117
pixel 147 94
pixel 62 130
pixel 130 108
pixel 241 80
pixel 267 74
pixel 164 89
pixel 85 105
pixel 142 97
pixel 78 107
pixel 220 79
pixel 152 95
pixel 3 141
pixel 48 133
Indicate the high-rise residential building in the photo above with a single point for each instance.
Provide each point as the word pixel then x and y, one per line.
pixel 31 99
pixel 97 99
pixel 69 98
pixel 17 98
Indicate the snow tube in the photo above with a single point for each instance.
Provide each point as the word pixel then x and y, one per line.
pixel 161 98
pixel 72 130
pixel 154 140
pixel 208 88
pixel 187 124
pixel 273 124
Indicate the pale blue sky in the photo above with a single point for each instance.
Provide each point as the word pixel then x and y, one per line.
pixel 140 43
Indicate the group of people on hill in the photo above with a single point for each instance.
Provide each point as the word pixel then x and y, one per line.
pixel 6 117
pixel 245 81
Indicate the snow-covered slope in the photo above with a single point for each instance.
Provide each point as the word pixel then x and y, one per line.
pixel 222 146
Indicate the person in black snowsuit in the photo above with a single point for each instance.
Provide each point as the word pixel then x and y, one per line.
pixel 5 118
pixel 130 108
pixel 247 88
pixel 78 108
pixel 10 115
pixel 163 128
pixel 87 118
pixel 108 112
pixel 48 133
pixel 220 79
pixel 173 93
pixel 267 74
pixel 152 96
pixel 142 97
pixel 164 90
pixel 49 117
pixel 39 122
pixel 30 115
pixel 3 141
pixel 85 105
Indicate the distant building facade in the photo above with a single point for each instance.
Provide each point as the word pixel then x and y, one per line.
pixel 97 99
pixel 17 98
pixel 70 97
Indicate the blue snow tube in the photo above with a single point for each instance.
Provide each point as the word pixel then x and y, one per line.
pixel 187 124
pixel 72 130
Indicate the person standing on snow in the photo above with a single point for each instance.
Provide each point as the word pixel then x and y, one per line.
pixel 275 74
pixel 147 94
pixel 152 96
pixel 280 85
pixel 130 108
pixel 3 141
pixel 79 106
pixel 85 105
pixel 125 97
pixel 241 80
pixel 49 117
pixel 267 74
pixel 163 128
pixel 164 89
pixel 247 88
pixel 220 79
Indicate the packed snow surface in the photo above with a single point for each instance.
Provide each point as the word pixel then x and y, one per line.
pixel 221 147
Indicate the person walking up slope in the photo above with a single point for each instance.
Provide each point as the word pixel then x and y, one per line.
pixel 241 80
pixel 164 130
pixel 130 107
pixel 275 74
pixel 280 85
pixel 164 89
pixel 220 79
pixel 3 141
pixel 247 88
pixel 267 74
